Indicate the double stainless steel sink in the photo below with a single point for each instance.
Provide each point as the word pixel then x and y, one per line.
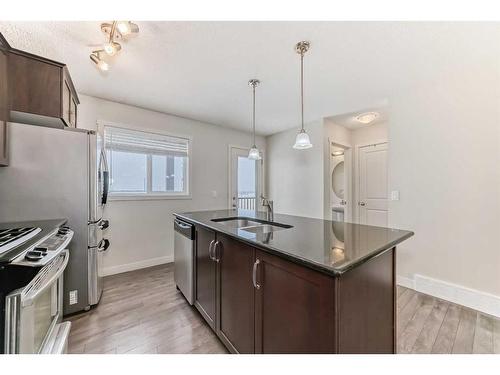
pixel 251 224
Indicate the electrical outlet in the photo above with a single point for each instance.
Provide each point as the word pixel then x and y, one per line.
pixel 214 193
pixel 395 195
pixel 73 297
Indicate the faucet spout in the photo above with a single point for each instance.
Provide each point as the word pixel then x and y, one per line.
pixel 269 206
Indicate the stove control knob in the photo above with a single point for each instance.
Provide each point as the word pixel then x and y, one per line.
pixel 34 256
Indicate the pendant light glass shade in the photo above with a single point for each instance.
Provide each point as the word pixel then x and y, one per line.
pixel 302 141
pixel 254 153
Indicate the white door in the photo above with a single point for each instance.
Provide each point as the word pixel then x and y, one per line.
pixel 245 180
pixel 373 185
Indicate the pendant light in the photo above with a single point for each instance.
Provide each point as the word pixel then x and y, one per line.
pixel 302 141
pixel 254 153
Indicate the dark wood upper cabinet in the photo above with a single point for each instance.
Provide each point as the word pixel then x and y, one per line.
pixel 235 313
pixel 294 308
pixel 4 102
pixel 43 93
pixel 206 268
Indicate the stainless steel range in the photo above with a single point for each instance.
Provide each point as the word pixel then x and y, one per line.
pixel 31 287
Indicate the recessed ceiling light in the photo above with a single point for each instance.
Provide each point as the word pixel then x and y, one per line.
pixel 366 118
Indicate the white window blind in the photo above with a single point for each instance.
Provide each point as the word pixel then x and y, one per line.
pixel 146 164
pixel 120 139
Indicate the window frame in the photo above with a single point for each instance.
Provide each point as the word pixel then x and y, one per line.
pixel 150 194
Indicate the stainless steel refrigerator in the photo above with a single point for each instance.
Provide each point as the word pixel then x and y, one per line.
pixel 57 173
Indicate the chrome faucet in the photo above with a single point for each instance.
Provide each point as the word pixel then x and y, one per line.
pixel 269 205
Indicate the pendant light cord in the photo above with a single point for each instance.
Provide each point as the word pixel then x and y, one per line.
pixel 302 87
pixel 253 118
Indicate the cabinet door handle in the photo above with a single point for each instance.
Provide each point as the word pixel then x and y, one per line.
pixel 210 250
pixel 254 274
pixel 216 256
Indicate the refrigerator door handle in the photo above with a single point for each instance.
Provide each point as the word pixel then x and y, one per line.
pixel 105 177
pixel 103 245
pixel 105 188
pixel 104 224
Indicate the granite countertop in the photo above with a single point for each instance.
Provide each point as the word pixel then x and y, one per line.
pixel 46 227
pixel 332 247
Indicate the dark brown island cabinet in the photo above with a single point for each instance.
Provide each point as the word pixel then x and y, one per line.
pixel 40 91
pixel 257 302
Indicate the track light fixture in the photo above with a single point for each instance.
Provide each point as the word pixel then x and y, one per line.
pixel 96 59
pixel 114 31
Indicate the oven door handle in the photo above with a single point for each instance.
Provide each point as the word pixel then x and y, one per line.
pixel 28 299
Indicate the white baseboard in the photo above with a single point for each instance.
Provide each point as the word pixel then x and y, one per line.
pixel 474 299
pixel 405 281
pixel 136 265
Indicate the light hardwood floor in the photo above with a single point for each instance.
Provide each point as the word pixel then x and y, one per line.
pixel 142 312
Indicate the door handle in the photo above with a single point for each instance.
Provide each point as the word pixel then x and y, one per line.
pixel 254 274
pixel 210 250
pixel 362 203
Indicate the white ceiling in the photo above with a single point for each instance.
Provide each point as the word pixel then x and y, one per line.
pixel 200 70
pixel 349 121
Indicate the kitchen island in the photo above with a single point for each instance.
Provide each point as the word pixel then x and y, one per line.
pixel 295 284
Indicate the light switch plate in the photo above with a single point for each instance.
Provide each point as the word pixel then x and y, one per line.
pixel 214 193
pixel 395 195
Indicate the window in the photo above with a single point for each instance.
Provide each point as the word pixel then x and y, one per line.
pixel 146 164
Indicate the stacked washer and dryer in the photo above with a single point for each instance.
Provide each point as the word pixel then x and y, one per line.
pixel 338 185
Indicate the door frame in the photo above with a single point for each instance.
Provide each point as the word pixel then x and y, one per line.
pixel 262 175
pixel 348 177
pixel 356 174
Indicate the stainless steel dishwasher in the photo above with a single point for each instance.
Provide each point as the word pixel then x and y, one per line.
pixel 184 258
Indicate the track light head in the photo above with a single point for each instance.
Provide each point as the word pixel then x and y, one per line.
pixel 100 64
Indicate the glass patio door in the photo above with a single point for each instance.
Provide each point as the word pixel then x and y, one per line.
pixel 245 180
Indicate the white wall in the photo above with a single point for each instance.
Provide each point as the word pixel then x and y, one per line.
pixel 445 160
pixel 295 178
pixel 141 231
